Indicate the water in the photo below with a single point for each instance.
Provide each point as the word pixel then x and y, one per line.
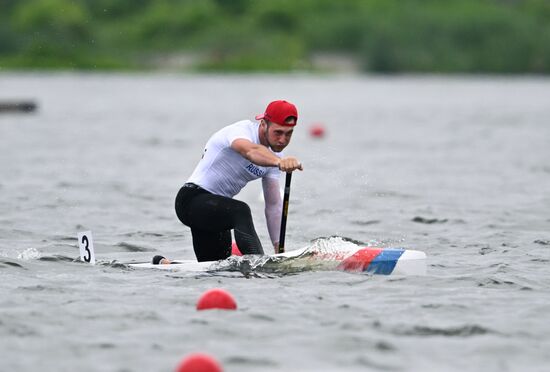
pixel 456 167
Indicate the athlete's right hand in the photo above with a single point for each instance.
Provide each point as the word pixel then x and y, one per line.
pixel 289 164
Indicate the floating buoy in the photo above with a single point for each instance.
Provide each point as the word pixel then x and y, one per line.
pixel 199 362
pixel 216 299
pixel 317 130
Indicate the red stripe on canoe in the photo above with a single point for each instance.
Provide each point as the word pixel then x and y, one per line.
pixel 360 260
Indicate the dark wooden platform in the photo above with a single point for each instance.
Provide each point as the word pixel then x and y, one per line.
pixel 17 106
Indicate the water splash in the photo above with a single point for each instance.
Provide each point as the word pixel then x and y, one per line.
pixel 334 246
pixel 29 254
pixel 322 254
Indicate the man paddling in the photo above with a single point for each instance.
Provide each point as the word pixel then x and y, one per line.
pixel 233 156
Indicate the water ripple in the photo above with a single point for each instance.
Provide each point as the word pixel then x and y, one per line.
pixel 58 258
pixel 134 248
pixel 366 362
pixel 41 288
pixel 247 361
pixel 429 221
pixel 365 223
pixel 144 234
pixel 467 330
pixel 4 263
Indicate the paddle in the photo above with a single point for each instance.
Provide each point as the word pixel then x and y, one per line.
pixel 285 213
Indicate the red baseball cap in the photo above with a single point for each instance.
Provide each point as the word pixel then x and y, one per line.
pixel 278 111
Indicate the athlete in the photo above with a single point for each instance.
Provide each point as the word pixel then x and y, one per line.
pixel 233 156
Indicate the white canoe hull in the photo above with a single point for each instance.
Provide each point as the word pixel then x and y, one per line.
pixel 361 259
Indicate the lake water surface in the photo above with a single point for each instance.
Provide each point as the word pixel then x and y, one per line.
pixel 458 167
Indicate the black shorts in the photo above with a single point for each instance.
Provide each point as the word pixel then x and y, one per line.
pixel 211 218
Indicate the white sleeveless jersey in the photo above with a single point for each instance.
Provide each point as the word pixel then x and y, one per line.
pixel 222 170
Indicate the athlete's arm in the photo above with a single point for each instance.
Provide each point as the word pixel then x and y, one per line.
pixel 260 155
pixel 257 154
pixel 273 208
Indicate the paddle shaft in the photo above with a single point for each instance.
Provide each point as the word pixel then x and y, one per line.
pixel 284 215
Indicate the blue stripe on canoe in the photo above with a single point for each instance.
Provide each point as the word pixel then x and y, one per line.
pixel 385 262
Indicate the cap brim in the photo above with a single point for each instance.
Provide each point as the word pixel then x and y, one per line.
pixel 260 117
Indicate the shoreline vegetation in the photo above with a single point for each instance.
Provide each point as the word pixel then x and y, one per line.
pixel 375 36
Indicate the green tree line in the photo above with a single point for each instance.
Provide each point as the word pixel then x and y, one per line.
pixel 479 36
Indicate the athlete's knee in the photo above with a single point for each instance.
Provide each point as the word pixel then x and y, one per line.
pixel 179 208
pixel 242 209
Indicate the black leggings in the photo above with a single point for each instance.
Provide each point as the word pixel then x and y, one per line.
pixel 211 219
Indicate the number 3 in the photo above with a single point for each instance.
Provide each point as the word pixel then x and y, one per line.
pixel 88 257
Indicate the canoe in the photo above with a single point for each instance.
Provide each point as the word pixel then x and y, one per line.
pixel 372 260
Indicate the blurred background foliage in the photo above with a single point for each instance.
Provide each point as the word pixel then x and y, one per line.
pixel 471 36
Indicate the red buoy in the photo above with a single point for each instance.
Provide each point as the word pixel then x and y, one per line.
pixel 317 130
pixel 216 299
pixel 199 362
